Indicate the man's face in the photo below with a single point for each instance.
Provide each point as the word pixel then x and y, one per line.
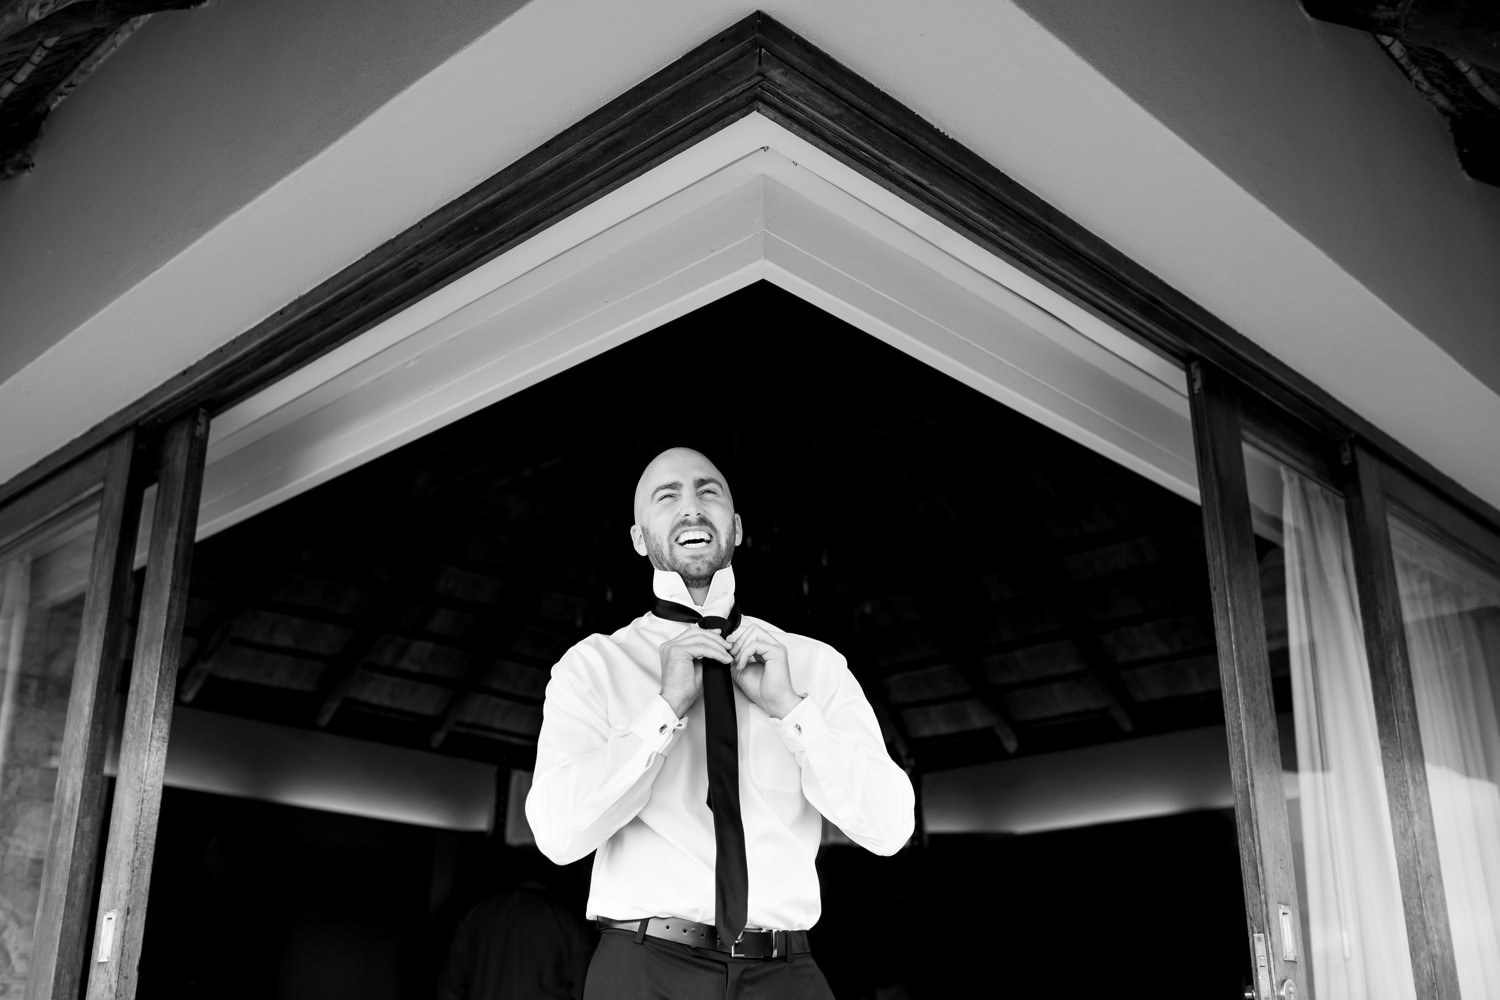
pixel 684 516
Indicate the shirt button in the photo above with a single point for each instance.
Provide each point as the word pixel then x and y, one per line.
pixel 797 728
pixel 662 730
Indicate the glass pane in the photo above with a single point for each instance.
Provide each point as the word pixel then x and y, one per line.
pixel 1353 923
pixel 42 584
pixel 1451 608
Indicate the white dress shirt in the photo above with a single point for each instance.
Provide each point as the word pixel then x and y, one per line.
pixel 618 772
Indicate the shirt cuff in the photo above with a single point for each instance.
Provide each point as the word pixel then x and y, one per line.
pixel 657 724
pixel 802 725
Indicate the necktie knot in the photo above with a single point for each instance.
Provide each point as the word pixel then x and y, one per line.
pixel 672 611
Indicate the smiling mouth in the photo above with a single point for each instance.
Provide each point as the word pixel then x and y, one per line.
pixel 694 538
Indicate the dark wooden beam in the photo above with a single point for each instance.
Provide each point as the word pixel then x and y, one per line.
pixel 994 703
pixel 895 733
pixel 221 626
pixel 234 592
pixel 445 514
pixel 860 655
pixel 444 521
pixel 506 736
pixel 1191 653
pixel 977 650
pixel 495 636
pixel 121 925
pixel 343 668
pixel 1047 584
pixel 950 617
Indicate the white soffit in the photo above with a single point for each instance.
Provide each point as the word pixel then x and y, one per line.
pixel 752 202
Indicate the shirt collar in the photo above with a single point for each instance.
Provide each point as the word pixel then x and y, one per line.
pixel 669 587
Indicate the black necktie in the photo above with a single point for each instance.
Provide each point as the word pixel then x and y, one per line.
pixel 731 870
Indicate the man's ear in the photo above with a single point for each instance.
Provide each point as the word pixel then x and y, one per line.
pixel 739 531
pixel 638 539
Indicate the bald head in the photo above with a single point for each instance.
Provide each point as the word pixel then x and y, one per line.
pixel 684 516
pixel 675 465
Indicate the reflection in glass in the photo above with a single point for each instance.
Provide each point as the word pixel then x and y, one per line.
pixel 1354 929
pixel 1451 608
pixel 41 607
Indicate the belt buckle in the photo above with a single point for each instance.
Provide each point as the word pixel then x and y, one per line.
pixel 734 947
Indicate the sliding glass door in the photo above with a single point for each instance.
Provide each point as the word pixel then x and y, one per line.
pixel 1353 932
pixel 1359 637
pixel 43 586
pixel 65 549
pixel 1439 584
pixel 68 550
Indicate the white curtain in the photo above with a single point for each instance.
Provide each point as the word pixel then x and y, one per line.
pixel 1452 615
pixel 15 598
pixel 16 915
pixel 1358 947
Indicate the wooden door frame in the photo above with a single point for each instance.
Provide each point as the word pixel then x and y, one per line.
pixel 120 923
pixel 1267 868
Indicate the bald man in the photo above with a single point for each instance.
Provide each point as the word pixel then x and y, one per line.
pixel 623 768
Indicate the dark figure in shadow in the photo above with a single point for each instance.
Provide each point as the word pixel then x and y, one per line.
pixel 525 944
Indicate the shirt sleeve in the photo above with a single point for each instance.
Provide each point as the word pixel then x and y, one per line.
pixel 591 778
pixel 846 772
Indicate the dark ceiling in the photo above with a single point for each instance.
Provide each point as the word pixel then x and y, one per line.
pixel 998 589
pixel 1448 49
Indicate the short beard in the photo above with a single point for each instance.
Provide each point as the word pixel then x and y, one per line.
pixel 698 574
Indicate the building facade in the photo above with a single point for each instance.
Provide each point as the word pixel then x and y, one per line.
pixel 258 219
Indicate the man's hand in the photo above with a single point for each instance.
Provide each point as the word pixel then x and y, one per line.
pixel 681 673
pixel 761 670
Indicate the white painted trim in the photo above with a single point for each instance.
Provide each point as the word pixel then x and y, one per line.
pixel 752 202
pixel 1278 231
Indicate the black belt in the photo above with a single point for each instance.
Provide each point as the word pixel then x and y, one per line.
pixel 751 943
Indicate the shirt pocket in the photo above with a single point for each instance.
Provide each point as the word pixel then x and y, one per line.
pixel 772 765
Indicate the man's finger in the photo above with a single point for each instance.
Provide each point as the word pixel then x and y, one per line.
pixel 745 634
pixel 759 638
pixel 697 647
pixel 696 635
pixel 749 650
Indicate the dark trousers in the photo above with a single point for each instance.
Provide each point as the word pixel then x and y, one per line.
pixel 662 970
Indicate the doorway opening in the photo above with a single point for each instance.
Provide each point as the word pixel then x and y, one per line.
pixel 1030 620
